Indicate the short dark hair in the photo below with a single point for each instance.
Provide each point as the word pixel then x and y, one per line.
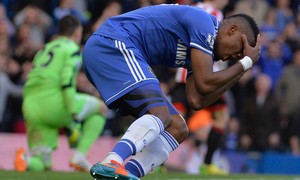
pixel 67 25
pixel 251 23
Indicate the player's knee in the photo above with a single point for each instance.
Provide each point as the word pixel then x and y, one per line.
pixel 166 119
pixel 183 132
pixel 179 129
pixel 36 164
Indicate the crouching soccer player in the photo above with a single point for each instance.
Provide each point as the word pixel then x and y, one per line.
pixel 51 102
pixel 117 60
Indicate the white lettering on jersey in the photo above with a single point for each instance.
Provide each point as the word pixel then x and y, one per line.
pixel 180 53
pixel 180 63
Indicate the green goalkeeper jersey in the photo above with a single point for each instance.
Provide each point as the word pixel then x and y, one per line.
pixel 54 73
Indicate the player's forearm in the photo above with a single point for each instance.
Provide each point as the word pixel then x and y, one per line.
pixel 211 98
pixel 197 101
pixel 219 79
pixel 207 81
pixel 251 55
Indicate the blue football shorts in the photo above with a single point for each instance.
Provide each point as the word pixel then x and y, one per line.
pixel 119 71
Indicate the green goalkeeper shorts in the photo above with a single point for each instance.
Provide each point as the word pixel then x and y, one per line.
pixel 45 116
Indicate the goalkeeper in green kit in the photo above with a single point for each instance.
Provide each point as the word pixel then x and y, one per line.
pixel 50 102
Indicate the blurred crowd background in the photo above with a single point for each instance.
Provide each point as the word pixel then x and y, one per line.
pixel 264 106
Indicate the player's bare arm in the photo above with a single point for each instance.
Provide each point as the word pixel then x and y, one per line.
pixel 205 86
pixel 200 101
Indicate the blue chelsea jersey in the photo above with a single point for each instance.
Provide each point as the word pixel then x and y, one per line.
pixel 165 34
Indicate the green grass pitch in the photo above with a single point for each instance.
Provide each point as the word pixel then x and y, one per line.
pixel 50 175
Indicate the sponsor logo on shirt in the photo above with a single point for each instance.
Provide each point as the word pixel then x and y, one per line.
pixel 210 40
pixel 181 53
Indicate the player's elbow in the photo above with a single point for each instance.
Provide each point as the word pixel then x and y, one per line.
pixel 199 102
pixel 204 86
pixel 196 103
pixel 204 89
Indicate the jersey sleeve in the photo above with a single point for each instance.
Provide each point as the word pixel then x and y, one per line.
pixel 202 29
pixel 68 78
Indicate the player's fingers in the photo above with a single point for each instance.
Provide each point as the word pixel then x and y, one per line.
pixel 245 41
pixel 258 43
pixel 258 40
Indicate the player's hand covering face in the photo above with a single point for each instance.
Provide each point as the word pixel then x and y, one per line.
pixel 252 52
pixel 232 45
pixel 229 46
pixel 237 49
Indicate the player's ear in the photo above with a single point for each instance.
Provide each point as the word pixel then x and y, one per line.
pixel 232 30
pixel 77 34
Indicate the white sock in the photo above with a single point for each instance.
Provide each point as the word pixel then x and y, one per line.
pixel 153 155
pixel 139 134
